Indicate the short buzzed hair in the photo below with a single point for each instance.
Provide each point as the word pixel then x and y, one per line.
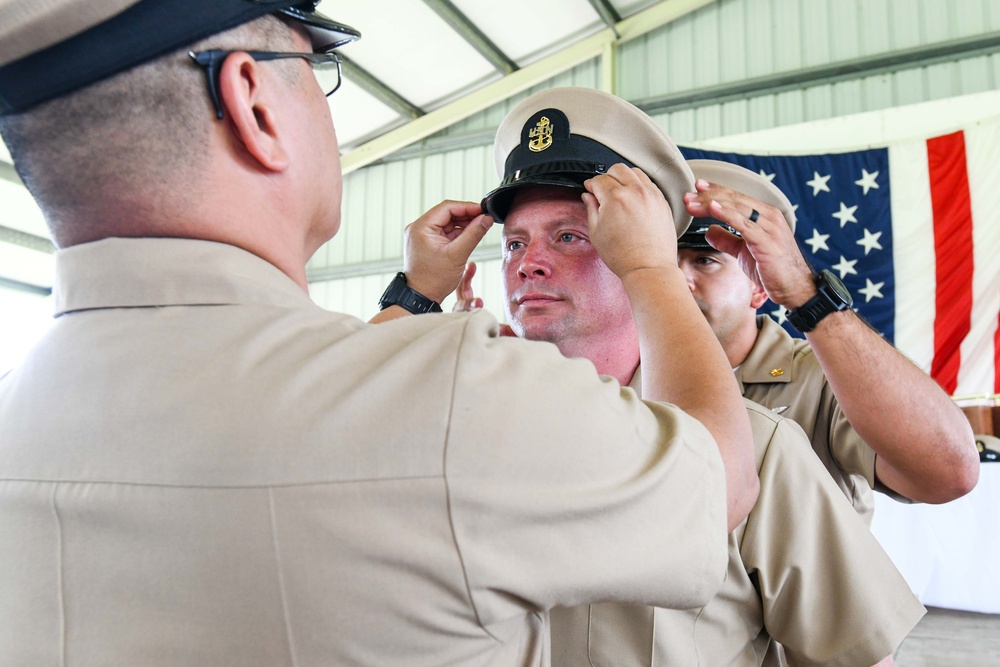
pixel 129 137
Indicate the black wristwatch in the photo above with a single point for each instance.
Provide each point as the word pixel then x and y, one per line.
pixel 831 297
pixel 399 294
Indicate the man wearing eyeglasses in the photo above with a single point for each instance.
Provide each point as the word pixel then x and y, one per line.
pixel 198 466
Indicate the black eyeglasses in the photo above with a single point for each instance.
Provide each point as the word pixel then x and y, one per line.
pixel 325 66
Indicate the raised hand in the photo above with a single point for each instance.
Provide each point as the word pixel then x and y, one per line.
pixel 767 251
pixel 631 225
pixel 467 301
pixel 437 245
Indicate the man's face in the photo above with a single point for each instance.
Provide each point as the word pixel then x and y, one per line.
pixel 720 288
pixel 556 287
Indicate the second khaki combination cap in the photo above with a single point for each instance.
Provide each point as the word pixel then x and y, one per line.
pixel 741 180
pixel 563 136
pixel 50 48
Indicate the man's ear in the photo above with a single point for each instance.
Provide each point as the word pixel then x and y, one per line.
pixel 758 296
pixel 249 112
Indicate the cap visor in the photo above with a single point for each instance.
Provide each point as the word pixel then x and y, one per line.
pixel 324 33
pixel 497 203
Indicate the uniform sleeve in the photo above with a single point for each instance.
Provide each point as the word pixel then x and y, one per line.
pixel 565 488
pixel 830 594
pixel 847 458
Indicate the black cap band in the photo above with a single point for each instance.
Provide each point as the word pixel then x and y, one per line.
pixel 694 237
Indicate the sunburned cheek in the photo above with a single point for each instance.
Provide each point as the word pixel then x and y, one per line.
pixel 597 268
pixel 506 276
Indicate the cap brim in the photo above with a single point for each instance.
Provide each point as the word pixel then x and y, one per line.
pixel 498 202
pixel 324 33
pixel 694 237
pixel 141 33
pixel 559 173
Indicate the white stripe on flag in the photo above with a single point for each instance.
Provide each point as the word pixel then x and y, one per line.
pixel 978 364
pixel 913 251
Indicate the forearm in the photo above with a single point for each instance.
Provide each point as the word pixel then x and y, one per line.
pixel 923 441
pixel 683 364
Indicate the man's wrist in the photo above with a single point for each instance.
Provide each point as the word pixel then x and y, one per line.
pixel 642 275
pixel 831 297
pixel 667 282
pixel 801 296
pixel 792 292
pixel 428 289
pixel 401 293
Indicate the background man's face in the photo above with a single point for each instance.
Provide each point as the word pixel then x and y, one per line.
pixel 720 288
pixel 556 287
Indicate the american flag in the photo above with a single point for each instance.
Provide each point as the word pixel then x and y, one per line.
pixel 913 230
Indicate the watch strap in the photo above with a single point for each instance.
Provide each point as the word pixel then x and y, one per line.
pixel 398 293
pixel 825 301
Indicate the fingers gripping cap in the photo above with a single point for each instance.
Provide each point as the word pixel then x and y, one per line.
pixel 694 237
pixel 564 136
pixel 741 180
pixel 52 48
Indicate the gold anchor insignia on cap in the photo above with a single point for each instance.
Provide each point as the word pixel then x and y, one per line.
pixel 775 372
pixel 541 135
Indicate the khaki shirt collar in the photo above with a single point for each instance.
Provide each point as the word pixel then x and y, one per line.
pixel 770 359
pixel 143 272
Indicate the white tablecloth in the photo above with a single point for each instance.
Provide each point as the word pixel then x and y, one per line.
pixel 949 554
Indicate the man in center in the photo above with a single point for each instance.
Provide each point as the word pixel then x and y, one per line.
pixel 803 569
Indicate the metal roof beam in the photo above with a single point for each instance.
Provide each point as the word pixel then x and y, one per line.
pixel 484 253
pixel 883 63
pixel 474 102
pixel 909 59
pixel 18 286
pixel 26 240
pixel 383 93
pixel 656 16
pixel 607 12
pixel 9 174
pixel 628 29
pixel 473 35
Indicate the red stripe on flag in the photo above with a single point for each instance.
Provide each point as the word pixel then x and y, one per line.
pixel 953 250
pixel 996 365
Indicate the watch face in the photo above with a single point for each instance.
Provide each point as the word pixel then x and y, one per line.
pixel 837 287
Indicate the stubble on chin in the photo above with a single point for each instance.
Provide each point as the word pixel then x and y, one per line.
pixel 548 331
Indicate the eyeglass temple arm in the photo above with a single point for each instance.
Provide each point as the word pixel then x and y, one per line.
pixel 211 65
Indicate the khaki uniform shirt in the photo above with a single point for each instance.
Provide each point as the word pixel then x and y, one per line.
pixel 803 570
pixel 782 373
pixel 198 466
